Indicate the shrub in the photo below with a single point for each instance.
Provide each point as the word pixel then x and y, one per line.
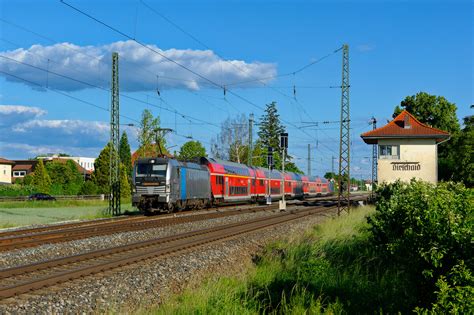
pixel 88 188
pixel 16 190
pixel 427 229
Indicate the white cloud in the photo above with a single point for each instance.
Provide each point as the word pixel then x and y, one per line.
pixel 24 151
pixel 138 67
pixel 23 133
pixel 16 114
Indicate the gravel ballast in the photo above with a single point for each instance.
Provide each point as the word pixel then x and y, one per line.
pixel 146 283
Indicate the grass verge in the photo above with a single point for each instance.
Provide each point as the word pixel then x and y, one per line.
pixel 332 269
pixel 51 204
pixel 23 216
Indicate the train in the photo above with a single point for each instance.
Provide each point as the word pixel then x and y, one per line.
pixel 164 184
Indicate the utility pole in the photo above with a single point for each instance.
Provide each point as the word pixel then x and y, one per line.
pixel 250 149
pixel 283 146
pixel 114 177
pixel 374 157
pixel 309 159
pixel 343 200
pixel 158 136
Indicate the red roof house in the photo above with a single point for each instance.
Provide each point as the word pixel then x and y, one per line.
pixel 405 125
pixel 407 149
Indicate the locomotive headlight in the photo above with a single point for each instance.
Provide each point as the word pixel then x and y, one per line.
pixel 168 187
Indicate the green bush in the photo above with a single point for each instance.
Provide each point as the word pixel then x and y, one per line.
pixel 426 229
pixel 16 190
pixel 455 293
pixel 88 188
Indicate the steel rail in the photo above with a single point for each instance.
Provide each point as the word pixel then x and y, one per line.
pixel 134 224
pixel 107 259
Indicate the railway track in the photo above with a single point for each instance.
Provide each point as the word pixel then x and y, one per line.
pixel 28 278
pixel 81 230
pixel 18 239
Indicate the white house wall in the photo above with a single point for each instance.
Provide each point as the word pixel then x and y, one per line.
pixel 418 159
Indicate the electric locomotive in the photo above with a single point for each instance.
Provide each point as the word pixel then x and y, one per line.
pixel 163 184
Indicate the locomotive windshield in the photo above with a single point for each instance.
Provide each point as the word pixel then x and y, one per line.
pixel 155 170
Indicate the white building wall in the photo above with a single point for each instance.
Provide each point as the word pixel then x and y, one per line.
pixel 85 162
pixel 5 173
pixel 422 156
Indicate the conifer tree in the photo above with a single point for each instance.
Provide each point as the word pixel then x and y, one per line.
pixel 100 176
pixel 270 127
pixel 41 179
pixel 125 188
pixel 126 157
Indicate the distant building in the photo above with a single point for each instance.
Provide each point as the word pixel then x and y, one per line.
pixel 407 149
pixel 21 168
pixel 85 162
pixel 6 171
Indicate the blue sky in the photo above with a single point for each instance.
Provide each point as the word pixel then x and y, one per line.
pixel 397 48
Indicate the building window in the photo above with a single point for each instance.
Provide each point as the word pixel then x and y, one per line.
pixel 19 173
pixel 389 152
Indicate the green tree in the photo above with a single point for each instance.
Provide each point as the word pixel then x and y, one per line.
pixel 148 135
pixel 126 157
pixel 461 158
pixel 74 178
pixel 436 112
pixel 125 188
pixel 88 188
pixel 432 110
pixel 232 141
pixel 41 179
pixel 100 176
pixel 191 150
pixel 270 127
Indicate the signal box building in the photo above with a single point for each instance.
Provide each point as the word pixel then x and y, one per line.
pixel 407 149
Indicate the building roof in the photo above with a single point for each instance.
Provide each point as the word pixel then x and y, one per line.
pixel 405 125
pixel 5 161
pixel 24 165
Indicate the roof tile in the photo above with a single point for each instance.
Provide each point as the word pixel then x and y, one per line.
pixel 405 125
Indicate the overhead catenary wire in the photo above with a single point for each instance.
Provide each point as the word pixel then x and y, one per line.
pixel 81 100
pixel 177 63
pixel 292 99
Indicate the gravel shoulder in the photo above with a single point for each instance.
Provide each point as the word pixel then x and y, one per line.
pixel 148 283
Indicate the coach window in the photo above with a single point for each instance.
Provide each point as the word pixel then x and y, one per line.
pixel 389 152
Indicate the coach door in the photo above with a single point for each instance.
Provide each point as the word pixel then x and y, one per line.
pixel 227 186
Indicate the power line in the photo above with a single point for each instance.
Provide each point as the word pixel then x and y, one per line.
pixel 184 67
pixel 64 94
pixel 105 89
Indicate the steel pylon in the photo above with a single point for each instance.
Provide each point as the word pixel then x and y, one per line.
pixel 344 189
pixel 114 178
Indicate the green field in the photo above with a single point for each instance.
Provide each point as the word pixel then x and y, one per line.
pixel 41 212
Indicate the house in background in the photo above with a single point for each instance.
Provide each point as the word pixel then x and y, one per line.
pixel 21 168
pixel 85 162
pixel 6 171
pixel 407 149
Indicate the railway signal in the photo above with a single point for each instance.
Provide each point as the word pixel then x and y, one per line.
pixel 270 158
